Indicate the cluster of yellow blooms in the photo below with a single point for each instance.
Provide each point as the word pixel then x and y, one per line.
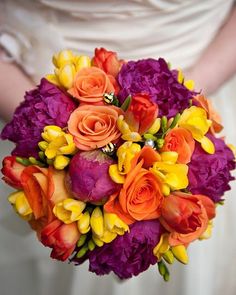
pixel 66 66
pixel 57 145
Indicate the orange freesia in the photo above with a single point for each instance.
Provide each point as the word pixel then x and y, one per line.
pixel 140 197
pixel 186 216
pixel 90 84
pixel 180 140
pixel 94 126
pixel 212 114
pixel 43 187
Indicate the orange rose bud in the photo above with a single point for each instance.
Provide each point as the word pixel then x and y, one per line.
pixel 107 61
pixel 94 126
pixel 90 84
pixel 62 238
pixel 141 113
pixel 140 197
pixel 181 141
pixel 186 216
pixel 212 114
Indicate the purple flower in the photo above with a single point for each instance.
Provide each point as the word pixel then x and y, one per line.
pixel 129 254
pixel 210 174
pixel 153 77
pixel 88 176
pixel 45 105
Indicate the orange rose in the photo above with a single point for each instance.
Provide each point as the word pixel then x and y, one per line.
pixel 141 113
pixel 212 114
pixel 181 141
pixel 62 238
pixel 94 126
pixel 43 187
pixel 186 217
pixel 140 197
pixel 90 84
pixel 107 61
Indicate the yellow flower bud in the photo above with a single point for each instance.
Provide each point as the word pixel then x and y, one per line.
pixel 108 236
pixel 155 126
pixel 132 136
pixel 96 222
pixel 189 84
pixel 53 79
pixel 84 223
pixel 208 232
pixel 51 132
pixel 20 204
pixel 69 210
pixel 62 58
pixel 61 162
pixel 66 75
pixel 97 241
pixel 81 62
pixel 180 253
pixel 114 224
pixel 43 145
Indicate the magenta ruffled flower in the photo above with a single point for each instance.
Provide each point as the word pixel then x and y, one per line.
pixel 88 177
pixel 153 77
pixel 45 105
pixel 130 254
pixel 210 174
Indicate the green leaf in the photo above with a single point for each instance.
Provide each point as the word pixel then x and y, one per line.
pixel 125 105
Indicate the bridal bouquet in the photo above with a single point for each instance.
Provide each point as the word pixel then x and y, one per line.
pixel 117 163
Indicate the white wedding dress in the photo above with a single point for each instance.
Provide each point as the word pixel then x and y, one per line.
pixel 178 30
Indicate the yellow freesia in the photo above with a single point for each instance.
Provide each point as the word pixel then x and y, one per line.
pixel 187 83
pixel 106 227
pixel 67 65
pixel 172 176
pixel 180 253
pixel 69 210
pixel 114 224
pixel 84 223
pixel 208 232
pixel 97 222
pixel 125 154
pixel 20 204
pixel 162 247
pixel 127 133
pixel 155 126
pixel 195 120
pixel 56 145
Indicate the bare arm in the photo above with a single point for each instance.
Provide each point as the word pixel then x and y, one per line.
pixel 13 84
pixel 218 62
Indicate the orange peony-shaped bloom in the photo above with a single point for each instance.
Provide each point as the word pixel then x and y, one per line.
pixel 90 84
pixel 186 216
pixel 94 126
pixel 43 187
pixel 181 141
pixel 212 114
pixel 141 113
pixel 140 197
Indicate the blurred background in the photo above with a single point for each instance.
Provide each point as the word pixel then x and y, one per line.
pixel 189 34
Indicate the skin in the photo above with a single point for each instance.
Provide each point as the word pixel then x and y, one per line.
pixel 216 65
